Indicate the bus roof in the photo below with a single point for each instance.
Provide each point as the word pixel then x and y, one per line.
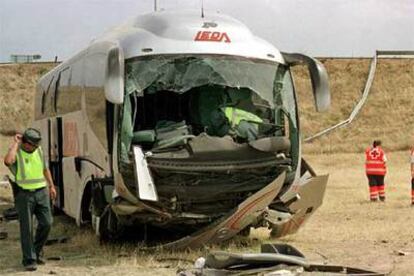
pixel 187 32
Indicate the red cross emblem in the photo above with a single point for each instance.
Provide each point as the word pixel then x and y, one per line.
pixel 374 153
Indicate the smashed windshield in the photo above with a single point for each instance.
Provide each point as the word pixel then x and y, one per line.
pixel 181 73
pixel 245 98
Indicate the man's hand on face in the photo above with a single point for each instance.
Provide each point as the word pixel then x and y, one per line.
pixel 17 138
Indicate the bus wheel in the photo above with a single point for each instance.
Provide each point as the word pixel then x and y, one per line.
pixel 108 225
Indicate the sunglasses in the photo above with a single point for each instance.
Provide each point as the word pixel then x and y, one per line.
pixel 30 144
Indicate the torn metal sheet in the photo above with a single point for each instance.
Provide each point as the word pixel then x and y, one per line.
pixel 130 199
pixel 240 218
pixel 226 260
pixel 311 194
pixel 274 259
pixel 146 187
pixel 343 270
pixel 281 248
pixel 284 270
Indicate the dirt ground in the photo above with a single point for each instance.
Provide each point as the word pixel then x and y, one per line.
pixel 346 230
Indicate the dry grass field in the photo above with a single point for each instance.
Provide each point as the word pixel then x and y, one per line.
pixel 17 86
pixel 386 114
pixel 346 230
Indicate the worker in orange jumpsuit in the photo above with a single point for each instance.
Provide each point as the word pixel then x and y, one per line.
pixel 376 169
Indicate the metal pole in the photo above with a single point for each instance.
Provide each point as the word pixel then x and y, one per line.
pixel 202 9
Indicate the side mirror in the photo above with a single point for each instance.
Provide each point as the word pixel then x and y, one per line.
pixel 114 76
pixel 319 78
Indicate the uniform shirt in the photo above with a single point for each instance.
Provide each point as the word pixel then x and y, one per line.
pixel 375 161
pixel 13 167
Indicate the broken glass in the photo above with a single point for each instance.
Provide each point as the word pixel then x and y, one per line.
pixel 214 82
pixel 182 73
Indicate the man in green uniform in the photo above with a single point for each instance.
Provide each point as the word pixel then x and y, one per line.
pixel 245 124
pixel 25 160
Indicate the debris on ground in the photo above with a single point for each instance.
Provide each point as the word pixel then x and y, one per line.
pixel 61 239
pixel 3 235
pixel 10 214
pixel 274 259
pixel 68 257
pixel 402 253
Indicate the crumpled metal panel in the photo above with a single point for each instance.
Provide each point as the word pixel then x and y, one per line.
pixel 311 194
pixel 237 220
pixel 220 260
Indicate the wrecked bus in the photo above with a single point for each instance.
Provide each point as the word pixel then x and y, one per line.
pixel 180 122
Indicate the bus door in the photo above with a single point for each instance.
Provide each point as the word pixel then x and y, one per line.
pixel 55 133
pixel 72 168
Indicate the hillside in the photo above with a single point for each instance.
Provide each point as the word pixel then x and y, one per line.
pixel 385 116
pixel 17 87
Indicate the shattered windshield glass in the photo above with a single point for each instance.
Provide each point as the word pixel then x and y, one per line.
pixel 220 89
pixel 181 73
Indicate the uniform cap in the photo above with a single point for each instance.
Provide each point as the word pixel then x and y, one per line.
pixel 32 136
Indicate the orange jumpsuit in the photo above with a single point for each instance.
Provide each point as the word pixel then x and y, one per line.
pixel 376 169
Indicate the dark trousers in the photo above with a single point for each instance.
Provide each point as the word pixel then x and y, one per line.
pixel 28 204
pixel 376 186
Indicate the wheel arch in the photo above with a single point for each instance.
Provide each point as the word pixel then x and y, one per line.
pixel 84 215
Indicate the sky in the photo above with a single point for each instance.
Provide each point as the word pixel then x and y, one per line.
pixel 324 28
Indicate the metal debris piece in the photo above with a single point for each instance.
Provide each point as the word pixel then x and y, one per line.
pixel 281 248
pixel 342 270
pixel 62 239
pixel 69 257
pixel 226 260
pixel 55 258
pixel 3 235
pixel 402 253
pixel 275 259
pixel 237 220
pixel 200 263
pixel 10 214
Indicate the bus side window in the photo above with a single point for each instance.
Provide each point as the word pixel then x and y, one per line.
pixel 45 94
pixel 95 100
pixel 60 91
pixel 68 97
pixel 48 101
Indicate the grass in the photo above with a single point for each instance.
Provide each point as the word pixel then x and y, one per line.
pixel 4 146
pixel 17 87
pixel 386 115
pixel 347 230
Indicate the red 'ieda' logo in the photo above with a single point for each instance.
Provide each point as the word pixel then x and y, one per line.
pixel 212 36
